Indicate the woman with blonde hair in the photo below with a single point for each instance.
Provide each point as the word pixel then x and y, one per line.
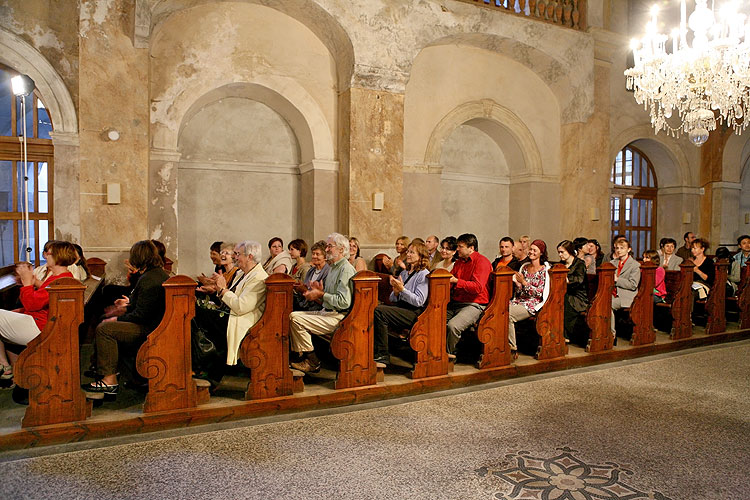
pixel 399 263
pixel 354 258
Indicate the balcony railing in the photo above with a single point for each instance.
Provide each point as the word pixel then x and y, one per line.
pixel 565 13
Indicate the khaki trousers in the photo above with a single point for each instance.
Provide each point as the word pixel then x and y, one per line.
pixel 303 323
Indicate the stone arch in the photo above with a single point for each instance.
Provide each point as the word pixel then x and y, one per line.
pixel 330 32
pixel 501 124
pixel 670 161
pixel 282 94
pixel 734 159
pixel 22 57
pixel 572 98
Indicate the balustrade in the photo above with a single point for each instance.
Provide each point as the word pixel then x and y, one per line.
pixel 564 13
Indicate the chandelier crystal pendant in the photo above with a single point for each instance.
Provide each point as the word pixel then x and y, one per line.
pixel 704 82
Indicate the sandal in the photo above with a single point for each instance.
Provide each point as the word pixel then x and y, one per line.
pixel 7 372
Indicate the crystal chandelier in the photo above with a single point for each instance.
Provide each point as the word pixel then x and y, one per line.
pixel 704 82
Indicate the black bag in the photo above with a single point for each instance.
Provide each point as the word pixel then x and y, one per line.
pixel 203 349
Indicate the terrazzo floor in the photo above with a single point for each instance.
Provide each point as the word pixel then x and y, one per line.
pixel 674 426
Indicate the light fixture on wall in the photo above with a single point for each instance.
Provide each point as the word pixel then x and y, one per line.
pixel 702 82
pixel 22 86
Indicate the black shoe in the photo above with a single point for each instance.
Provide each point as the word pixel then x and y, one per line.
pixel 385 359
pixel 99 387
pixel 20 395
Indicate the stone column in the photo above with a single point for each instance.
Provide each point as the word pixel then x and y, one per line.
pixel 162 205
pixel 67 197
pixel 719 198
pixel 318 188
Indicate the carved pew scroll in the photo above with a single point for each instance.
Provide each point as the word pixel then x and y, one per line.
pixel 599 315
pixel 265 348
pixel 492 330
pixel 165 358
pixel 682 306
pixel 427 336
pixel 49 366
pixel 642 309
pixel 352 342
pixel 716 301
pixel 550 320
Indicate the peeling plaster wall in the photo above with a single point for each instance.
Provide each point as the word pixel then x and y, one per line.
pixel 238 179
pixel 743 226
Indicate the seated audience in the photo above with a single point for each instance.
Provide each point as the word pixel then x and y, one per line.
pixel 525 241
pixel 279 261
pixel 627 277
pixel 355 260
pixel 298 251
pixel 41 273
pixel 740 259
pixel 398 264
pixel 582 252
pixel 143 312
pixel 447 253
pixel 469 294
pixel 669 261
pixel 521 255
pixel 532 284
pixel 317 274
pixel 215 256
pixel 660 285
pixel 432 243
pixel 336 299
pixel 505 256
pixel 80 264
pixel 685 252
pixel 576 295
pixel 227 268
pixel 409 297
pixel 599 253
pixel 590 257
pixel 704 271
pixel 19 327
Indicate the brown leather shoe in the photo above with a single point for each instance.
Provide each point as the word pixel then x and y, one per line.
pixel 307 366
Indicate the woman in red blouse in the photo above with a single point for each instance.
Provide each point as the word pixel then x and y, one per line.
pixel 22 325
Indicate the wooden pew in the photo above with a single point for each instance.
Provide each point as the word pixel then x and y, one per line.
pixel 716 301
pixel 49 366
pixel 682 305
pixel 96 266
pixel 550 320
pixel 743 299
pixel 384 288
pixel 642 309
pixel 378 266
pixel 352 342
pixel 599 315
pixel 427 337
pixel 165 358
pixel 265 348
pixel 492 330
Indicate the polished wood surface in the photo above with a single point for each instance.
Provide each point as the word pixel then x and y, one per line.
pixel 96 266
pixel 265 348
pixel 642 309
pixel 743 300
pixel 550 320
pixel 352 342
pixel 427 337
pixel 599 315
pixel 682 305
pixel 716 301
pixel 165 358
pixel 384 288
pixel 49 365
pixel 492 330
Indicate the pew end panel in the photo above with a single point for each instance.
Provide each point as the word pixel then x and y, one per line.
pixel 716 301
pixel 49 366
pixel 384 289
pixel 550 320
pixel 352 342
pixel 743 300
pixel 599 315
pixel 165 357
pixel 682 305
pixel 265 348
pixel 642 309
pixel 492 330
pixel 427 336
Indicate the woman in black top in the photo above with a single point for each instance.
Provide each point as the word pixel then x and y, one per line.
pixel 704 272
pixel 576 296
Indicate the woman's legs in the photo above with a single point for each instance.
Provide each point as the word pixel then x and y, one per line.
pixel 390 317
pixel 517 313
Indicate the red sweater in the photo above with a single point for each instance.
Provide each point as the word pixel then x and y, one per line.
pixel 473 275
pixel 36 302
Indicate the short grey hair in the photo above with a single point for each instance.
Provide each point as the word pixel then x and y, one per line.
pixel 252 249
pixel 341 242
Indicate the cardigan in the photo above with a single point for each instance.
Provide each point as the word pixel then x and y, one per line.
pixel 246 304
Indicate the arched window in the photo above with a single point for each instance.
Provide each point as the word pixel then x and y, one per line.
pixel 633 202
pixel 12 171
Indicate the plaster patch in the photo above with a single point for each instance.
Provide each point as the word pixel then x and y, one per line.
pixel 94 14
pixel 157 233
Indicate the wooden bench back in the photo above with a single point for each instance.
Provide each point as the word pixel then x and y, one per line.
pixel 642 309
pixel 550 320
pixel 682 303
pixel 352 342
pixel 743 299
pixel 96 266
pixel 492 330
pixel 427 337
pixel 49 366
pixel 599 315
pixel 672 284
pixel 165 358
pixel 265 348
pixel 377 264
pixel 384 288
pixel 716 301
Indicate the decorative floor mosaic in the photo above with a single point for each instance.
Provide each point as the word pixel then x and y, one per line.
pixel 561 477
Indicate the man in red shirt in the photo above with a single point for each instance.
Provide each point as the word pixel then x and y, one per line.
pixel 469 294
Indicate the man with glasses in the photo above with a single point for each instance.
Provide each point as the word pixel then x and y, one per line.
pixel 336 299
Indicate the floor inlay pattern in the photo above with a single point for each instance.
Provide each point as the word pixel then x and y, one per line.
pixel 561 477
